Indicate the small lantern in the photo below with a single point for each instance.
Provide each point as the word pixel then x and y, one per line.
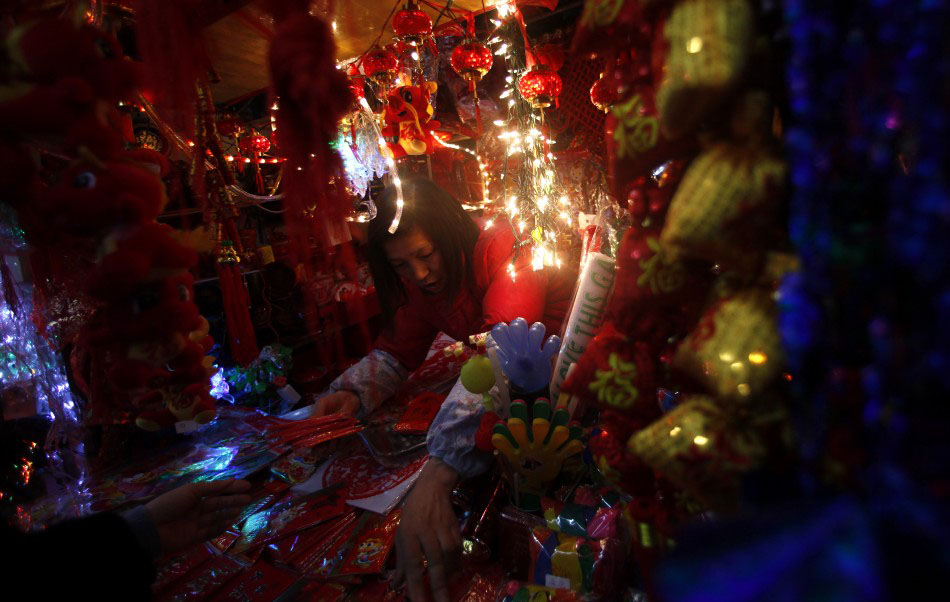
pixel 412 25
pixel 255 144
pixel 380 65
pixel 230 125
pixel 471 60
pixel 540 87
pixel 603 94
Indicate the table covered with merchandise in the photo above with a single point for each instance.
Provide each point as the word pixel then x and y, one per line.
pixel 326 503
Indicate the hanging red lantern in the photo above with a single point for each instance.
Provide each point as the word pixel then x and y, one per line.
pixel 380 65
pixel 230 125
pixel 254 144
pixel 472 60
pixel 412 25
pixel 540 87
pixel 603 94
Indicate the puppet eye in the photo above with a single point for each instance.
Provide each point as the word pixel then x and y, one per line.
pixel 86 179
pixel 143 301
pixel 407 95
pixel 183 293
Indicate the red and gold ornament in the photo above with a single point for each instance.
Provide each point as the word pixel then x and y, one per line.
pixel 471 60
pixel 255 144
pixel 230 126
pixel 380 65
pixel 540 86
pixel 603 94
pixel 412 25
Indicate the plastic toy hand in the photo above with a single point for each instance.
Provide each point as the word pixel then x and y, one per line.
pixel 526 363
pixel 537 453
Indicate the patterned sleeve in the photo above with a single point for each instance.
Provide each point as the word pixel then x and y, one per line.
pixel 452 434
pixel 374 379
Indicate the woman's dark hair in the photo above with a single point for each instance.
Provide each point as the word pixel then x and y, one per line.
pixel 441 218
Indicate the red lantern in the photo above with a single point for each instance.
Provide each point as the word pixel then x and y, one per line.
pixel 230 125
pixel 603 94
pixel 471 60
pixel 412 25
pixel 254 144
pixel 381 65
pixel 540 87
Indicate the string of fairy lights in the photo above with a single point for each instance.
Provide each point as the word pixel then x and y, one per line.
pixel 532 199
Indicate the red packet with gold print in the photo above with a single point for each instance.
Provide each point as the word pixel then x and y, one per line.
pixel 371 548
pixel 202 584
pixel 179 566
pixel 258 583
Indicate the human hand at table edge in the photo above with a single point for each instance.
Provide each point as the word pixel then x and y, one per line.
pixel 428 529
pixel 346 403
pixel 196 512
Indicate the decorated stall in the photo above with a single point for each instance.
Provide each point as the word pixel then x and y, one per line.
pixel 712 228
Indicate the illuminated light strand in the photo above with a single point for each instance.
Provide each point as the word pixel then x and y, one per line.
pixel 481 165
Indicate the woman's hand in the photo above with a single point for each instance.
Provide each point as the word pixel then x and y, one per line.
pixel 428 529
pixel 341 402
pixel 196 512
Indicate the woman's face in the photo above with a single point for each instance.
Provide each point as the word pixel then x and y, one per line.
pixel 415 258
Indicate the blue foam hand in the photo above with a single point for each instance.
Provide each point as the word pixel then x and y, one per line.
pixel 523 358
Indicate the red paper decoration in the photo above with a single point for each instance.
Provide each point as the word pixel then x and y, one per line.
pixel 603 94
pixel 471 60
pixel 540 87
pixel 356 83
pixel 381 65
pixel 254 144
pixel 412 25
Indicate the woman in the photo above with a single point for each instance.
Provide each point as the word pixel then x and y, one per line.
pixel 440 272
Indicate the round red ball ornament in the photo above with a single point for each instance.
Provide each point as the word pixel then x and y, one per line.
pixel 540 87
pixel 380 65
pixel 230 125
pixel 254 144
pixel 472 60
pixel 412 25
pixel 603 94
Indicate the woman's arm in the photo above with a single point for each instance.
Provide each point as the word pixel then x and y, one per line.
pixel 371 381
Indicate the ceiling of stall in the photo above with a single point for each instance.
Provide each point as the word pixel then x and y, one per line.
pixel 238 41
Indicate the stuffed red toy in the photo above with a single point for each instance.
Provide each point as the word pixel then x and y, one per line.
pixel 57 73
pixel 94 196
pixel 409 119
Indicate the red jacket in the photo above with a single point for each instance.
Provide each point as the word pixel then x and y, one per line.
pixel 542 296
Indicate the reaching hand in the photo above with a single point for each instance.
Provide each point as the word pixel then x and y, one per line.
pixel 428 529
pixel 196 512
pixel 341 402
pixel 526 362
